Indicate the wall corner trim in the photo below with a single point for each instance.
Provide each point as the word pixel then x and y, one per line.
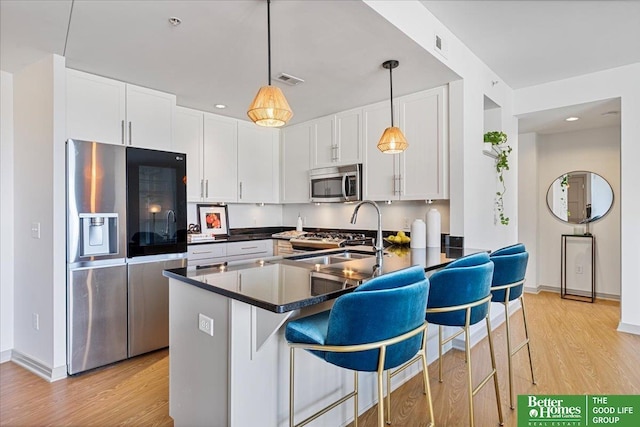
pixel 629 328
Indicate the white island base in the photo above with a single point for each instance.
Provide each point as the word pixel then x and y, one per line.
pixel 239 377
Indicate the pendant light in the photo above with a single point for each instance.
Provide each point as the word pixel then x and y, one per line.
pixel 269 108
pixel 392 140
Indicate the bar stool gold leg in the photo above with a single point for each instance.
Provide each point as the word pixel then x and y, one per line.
pixel 495 370
pixel 467 352
pixel 440 353
pixel 291 354
pixel 355 399
pixel 526 335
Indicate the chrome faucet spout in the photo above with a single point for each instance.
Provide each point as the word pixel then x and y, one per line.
pixel 378 245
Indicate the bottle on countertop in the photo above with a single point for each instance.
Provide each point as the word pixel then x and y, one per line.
pixel 299 223
pixel 418 234
pixel 433 228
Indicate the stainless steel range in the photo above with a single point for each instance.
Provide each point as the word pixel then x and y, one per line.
pixel 327 240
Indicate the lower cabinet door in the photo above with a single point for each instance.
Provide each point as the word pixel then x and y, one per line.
pixel 149 306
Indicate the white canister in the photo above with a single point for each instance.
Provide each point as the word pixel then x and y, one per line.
pixel 433 228
pixel 418 234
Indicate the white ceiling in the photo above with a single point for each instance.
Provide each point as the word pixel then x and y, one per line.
pixel 218 54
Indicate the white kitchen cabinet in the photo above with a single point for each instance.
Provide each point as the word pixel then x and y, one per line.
pixel 336 139
pixel 379 170
pixel 106 110
pixel 216 253
pixel 421 172
pixel 206 254
pixel 323 147
pixel 294 154
pixel 220 159
pixel 188 139
pixel 258 158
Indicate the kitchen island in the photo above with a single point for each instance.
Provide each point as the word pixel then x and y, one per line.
pixel 229 360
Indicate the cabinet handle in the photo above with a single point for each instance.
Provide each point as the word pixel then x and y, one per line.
pixel 240 196
pixel 206 186
pixel 122 131
pixel 239 282
pixel 201 188
pixel 400 184
pixel 201 252
pixel 129 133
pixel 248 247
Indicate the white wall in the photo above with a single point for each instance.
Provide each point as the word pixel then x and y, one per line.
pixel 40 284
pixel 472 203
pixel 338 215
pixel 595 150
pixel 620 82
pixel 245 215
pixel 6 216
pixel 528 203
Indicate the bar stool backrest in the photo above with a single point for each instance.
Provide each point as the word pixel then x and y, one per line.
pixel 510 266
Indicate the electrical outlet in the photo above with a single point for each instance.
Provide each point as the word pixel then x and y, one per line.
pixel 406 223
pixel 35 230
pixel 35 321
pixel 578 269
pixel 205 324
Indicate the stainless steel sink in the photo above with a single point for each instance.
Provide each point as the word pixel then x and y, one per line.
pixel 334 258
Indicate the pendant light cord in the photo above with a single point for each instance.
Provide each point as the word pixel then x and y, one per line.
pixel 391 96
pixel 269 37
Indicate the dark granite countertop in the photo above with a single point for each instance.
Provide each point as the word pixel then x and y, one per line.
pixel 285 283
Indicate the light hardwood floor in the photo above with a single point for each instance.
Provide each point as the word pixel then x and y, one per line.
pixel 576 350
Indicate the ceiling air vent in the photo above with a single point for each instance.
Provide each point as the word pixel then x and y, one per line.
pixel 289 79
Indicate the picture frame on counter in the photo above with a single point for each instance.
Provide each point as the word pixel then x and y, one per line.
pixel 213 219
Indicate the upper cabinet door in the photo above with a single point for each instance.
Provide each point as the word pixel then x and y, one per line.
pixel 150 117
pixel 106 110
pixel 258 157
pixel 424 166
pixel 294 178
pixel 324 150
pixel 188 139
pixel 220 159
pixel 95 108
pixel 380 180
pixel 348 135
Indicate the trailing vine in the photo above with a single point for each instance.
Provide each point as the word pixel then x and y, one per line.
pixel 498 141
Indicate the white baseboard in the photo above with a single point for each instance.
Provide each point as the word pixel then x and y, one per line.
pixel 629 328
pixel 41 370
pixel 5 356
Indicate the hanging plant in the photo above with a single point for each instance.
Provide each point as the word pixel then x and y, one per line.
pixel 498 142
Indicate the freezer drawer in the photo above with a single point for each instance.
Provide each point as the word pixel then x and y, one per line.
pixel 97 317
pixel 149 305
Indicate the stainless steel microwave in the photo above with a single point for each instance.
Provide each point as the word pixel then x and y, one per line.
pixel 336 184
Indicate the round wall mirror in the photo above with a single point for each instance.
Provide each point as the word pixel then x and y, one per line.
pixel 579 197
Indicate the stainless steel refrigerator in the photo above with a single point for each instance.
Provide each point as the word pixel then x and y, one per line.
pixel 126 222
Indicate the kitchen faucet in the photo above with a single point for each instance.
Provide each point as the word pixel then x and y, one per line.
pixel 169 213
pixel 379 246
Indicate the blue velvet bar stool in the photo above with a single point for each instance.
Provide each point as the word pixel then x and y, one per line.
pixel 378 326
pixel 460 295
pixel 510 266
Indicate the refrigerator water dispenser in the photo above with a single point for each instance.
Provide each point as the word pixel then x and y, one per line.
pixel 99 234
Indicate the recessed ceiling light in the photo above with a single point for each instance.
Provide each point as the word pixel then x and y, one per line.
pixel 572 119
pixel 175 21
pixel 220 106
